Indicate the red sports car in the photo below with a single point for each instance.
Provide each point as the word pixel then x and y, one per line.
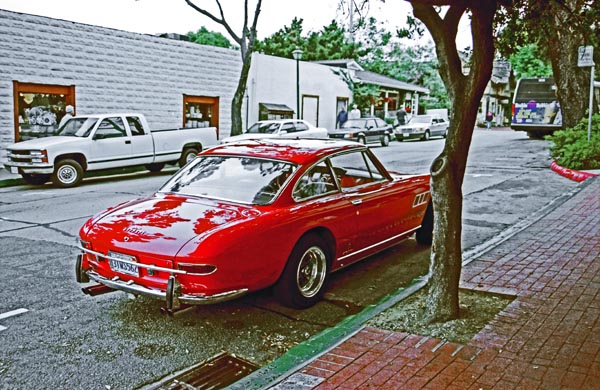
pixel 245 216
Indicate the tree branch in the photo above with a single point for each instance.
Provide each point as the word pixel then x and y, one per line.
pixel 220 21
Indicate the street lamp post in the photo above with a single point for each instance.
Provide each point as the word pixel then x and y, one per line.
pixel 297 53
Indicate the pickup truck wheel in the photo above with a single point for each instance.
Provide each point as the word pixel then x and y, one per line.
pixel 67 173
pixel 303 280
pixel 187 155
pixel 155 167
pixel 35 180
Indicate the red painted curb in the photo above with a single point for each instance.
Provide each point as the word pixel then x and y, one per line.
pixel 572 174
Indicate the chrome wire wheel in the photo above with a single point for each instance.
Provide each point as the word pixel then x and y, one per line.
pixel 311 271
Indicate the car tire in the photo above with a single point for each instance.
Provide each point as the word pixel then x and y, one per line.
pixel 303 281
pixel 35 180
pixel 424 234
pixel 385 140
pixel 445 133
pixel 155 167
pixel 426 136
pixel 187 155
pixel 67 173
pixel 362 140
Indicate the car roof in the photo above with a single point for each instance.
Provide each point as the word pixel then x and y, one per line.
pixel 297 151
pixel 279 120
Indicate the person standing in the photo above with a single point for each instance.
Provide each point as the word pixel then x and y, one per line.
pixel 355 113
pixel 401 115
pixel 69 114
pixel 488 120
pixel 342 117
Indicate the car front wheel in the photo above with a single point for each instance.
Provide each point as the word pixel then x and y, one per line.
pixel 426 136
pixel 303 280
pixel 385 140
pixel 67 173
pixel 362 140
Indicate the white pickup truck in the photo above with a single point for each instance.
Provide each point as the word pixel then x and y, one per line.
pixel 97 142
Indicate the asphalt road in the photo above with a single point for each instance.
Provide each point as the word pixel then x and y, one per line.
pixel 65 339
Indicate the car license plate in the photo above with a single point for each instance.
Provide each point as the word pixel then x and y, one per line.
pixel 14 170
pixel 121 266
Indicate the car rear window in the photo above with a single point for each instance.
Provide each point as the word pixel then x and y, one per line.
pixel 232 178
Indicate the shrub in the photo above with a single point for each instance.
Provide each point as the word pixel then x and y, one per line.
pixel 571 149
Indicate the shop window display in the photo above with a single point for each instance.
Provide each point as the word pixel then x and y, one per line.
pixel 200 111
pixel 39 109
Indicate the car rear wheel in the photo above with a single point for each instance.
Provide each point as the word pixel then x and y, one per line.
pixel 303 280
pixel 424 234
pixel 426 136
pixel 35 180
pixel 385 140
pixel 67 173
pixel 155 167
pixel 188 155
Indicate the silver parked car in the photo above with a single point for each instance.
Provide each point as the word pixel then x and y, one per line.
pixel 281 128
pixel 422 127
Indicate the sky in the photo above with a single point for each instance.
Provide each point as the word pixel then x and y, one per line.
pixel 175 16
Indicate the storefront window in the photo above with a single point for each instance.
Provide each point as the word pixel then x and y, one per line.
pixel 39 108
pixel 200 111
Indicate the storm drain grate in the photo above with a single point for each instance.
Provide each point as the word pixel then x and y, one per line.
pixel 216 373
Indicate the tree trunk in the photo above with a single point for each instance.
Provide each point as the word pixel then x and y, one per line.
pixel 448 169
pixel 564 38
pixel 238 97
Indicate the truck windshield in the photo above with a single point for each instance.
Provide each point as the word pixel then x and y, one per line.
pixel 78 127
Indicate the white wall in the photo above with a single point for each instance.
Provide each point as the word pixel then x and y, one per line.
pixel 273 80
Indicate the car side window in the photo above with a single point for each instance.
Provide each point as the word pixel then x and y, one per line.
pixel 355 169
pixel 317 181
pixel 111 128
pixel 288 127
pixel 301 126
pixel 135 125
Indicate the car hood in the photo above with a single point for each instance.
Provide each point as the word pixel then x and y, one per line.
pixel 414 126
pixel 162 224
pixel 246 136
pixel 43 143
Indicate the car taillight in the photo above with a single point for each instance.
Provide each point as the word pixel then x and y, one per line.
pixel 197 269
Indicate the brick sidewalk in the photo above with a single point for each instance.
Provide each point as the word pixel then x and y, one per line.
pixel 547 338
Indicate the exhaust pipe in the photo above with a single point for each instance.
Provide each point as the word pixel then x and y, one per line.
pixel 97 289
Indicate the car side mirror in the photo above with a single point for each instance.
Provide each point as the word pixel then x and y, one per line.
pixel 98 136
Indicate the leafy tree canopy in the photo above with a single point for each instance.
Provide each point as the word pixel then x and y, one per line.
pixel 527 63
pixel 212 38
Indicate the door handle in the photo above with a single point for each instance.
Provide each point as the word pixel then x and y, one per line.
pixel 127 142
pixel 356 202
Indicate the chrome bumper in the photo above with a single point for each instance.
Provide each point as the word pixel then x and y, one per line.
pixel 28 168
pixel 136 289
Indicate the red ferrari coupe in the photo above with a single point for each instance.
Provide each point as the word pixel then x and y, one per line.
pixel 244 216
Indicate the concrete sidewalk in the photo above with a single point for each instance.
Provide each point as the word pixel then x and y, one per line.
pixel 547 338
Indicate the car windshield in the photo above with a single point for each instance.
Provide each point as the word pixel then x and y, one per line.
pixel 263 128
pixel 354 123
pixel 232 178
pixel 420 119
pixel 77 127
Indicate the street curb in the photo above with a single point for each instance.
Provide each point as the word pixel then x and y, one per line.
pixel 321 343
pixel 572 174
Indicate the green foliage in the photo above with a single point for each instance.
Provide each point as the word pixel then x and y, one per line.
pixel 327 44
pixel 571 148
pixel 527 62
pixel 210 38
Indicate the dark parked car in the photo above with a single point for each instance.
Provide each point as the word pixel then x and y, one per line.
pixel 364 130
